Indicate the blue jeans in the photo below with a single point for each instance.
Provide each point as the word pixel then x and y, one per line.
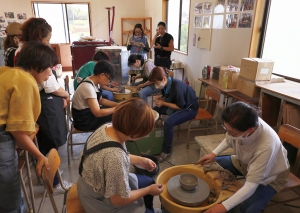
pixel 163 62
pixel 174 119
pixel 259 199
pixel 144 181
pixel 148 90
pixel 107 95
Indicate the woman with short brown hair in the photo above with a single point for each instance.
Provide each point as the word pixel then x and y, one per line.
pixel 105 184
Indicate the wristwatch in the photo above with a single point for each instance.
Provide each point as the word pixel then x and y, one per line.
pixel 161 47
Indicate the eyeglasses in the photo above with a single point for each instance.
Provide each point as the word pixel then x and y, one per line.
pixel 230 132
pixel 109 79
pixel 138 32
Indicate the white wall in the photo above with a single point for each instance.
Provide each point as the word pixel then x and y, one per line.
pixel 99 15
pixel 228 45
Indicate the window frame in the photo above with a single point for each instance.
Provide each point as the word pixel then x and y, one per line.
pixel 259 32
pixel 179 27
pixel 66 14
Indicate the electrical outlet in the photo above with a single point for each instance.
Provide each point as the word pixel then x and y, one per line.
pixel 159 133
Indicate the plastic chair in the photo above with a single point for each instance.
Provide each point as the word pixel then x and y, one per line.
pixel 72 130
pixel 73 202
pixel 48 176
pixel 209 113
pixel 291 135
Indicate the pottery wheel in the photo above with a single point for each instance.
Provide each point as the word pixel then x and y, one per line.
pixel 188 198
pixel 127 91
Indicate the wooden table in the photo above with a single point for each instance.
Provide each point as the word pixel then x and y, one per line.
pixel 208 143
pixel 242 97
pixel 215 83
pixel 273 96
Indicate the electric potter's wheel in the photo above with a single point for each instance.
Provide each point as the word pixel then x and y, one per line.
pixel 188 198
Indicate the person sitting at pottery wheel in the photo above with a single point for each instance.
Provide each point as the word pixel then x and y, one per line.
pixel 87 70
pixel 105 184
pixel 86 110
pixel 147 87
pixel 178 100
pixel 259 156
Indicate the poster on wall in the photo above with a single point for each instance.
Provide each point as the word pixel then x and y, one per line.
pixel 232 5
pixel 219 6
pixel 198 8
pixel 231 20
pixel 207 7
pixel 21 15
pixel 247 5
pixel 2 19
pixel 9 15
pixel 206 21
pixel 197 22
pixel 245 20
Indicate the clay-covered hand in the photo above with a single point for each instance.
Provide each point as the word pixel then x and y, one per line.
pixel 156 189
pixel 219 208
pixel 159 102
pixel 148 164
pixel 207 158
pixel 116 89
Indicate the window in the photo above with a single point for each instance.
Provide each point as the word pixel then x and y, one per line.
pixel 69 22
pixel 178 23
pixel 280 40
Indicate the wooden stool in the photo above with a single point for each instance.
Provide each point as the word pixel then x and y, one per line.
pixel 208 143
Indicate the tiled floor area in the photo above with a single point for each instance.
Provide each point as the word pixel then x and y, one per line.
pixel 178 157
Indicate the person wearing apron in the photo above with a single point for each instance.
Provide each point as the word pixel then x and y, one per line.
pixel 88 69
pixel 105 183
pixel 147 87
pixel 86 110
pixel 19 109
pixel 138 43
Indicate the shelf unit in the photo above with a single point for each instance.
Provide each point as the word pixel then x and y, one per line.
pixel 127 25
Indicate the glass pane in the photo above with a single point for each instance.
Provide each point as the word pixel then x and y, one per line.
pixel 282 43
pixel 173 20
pixel 184 25
pixel 79 21
pixel 56 21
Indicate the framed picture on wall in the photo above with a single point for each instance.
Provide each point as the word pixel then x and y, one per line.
pixel 247 5
pixel 197 22
pixel 21 15
pixel 245 20
pixel 198 8
pixel 232 5
pixel 2 19
pixel 9 15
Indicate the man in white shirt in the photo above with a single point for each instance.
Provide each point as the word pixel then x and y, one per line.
pixel 259 156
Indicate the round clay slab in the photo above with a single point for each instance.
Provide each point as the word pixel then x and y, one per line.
pixel 188 198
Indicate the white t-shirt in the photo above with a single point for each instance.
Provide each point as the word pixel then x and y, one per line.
pixel 84 91
pixel 261 158
pixel 51 85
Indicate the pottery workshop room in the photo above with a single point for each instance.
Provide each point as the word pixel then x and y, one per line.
pixel 149 106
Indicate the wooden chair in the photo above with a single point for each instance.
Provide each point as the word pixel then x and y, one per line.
pixel 73 202
pixel 72 131
pixel 48 177
pixel 209 113
pixel 291 135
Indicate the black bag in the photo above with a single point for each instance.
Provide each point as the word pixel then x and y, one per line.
pixel 143 171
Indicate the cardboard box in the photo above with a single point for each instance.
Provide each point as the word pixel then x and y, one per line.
pixel 248 87
pixel 150 144
pixel 256 69
pixel 232 77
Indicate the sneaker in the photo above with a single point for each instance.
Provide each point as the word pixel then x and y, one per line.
pixel 157 210
pixel 163 156
pixel 59 189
